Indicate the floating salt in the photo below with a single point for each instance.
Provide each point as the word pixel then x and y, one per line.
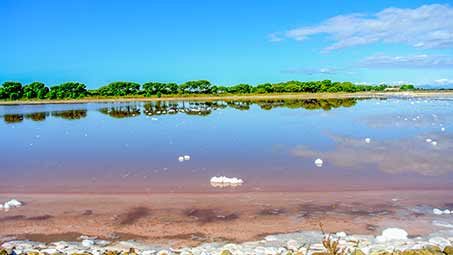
pixel 318 162
pixel 223 181
pixel 428 140
pixel 437 211
pixel 434 143
pixel 12 203
pixel 367 140
pixel 186 157
pixel 180 158
pixel 442 129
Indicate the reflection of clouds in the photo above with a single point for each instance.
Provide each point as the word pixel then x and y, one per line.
pixel 408 120
pixel 391 156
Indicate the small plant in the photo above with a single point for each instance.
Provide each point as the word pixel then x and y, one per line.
pixel 332 245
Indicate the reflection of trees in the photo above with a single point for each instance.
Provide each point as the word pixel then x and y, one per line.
pixel 197 108
pixel 190 108
pixel 37 116
pixel 308 104
pixel 70 114
pixel 13 118
pixel 121 111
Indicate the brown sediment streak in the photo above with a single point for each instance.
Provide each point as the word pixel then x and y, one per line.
pixel 133 215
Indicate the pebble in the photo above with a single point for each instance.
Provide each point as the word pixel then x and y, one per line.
pixel 88 243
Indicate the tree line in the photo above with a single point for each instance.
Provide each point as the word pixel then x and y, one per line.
pixel 11 90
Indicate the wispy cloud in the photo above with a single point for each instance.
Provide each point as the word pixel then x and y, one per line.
pixel 428 26
pixel 311 71
pixel 444 81
pixel 414 61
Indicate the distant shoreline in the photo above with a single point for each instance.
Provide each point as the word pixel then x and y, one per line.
pixel 232 97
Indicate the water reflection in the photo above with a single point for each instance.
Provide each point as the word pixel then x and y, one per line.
pixel 70 114
pixel 195 108
pixel 37 116
pixel 121 111
pixel 13 118
pixel 394 156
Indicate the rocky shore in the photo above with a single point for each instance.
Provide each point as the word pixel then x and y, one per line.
pixel 391 241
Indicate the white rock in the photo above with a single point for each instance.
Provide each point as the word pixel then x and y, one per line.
pixel 163 252
pixel 186 157
pixel 437 211
pixel 367 140
pixel 180 158
pixel 394 234
pixel 439 241
pixel 292 245
pixel 381 239
pixel 50 251
pixel 318 162
pixel 149 252
pixel 87 243
pixel 341 234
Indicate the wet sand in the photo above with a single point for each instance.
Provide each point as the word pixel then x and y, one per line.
pixel 188 219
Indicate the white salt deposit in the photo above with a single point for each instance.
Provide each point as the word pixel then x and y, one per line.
pixel 442 129
pixel 434 143
pixel 180 158
pixel 186 157
pixel 223 181
pixel 368 140
pixel 428 140
pixel 390 234
pixel 319 162
pixel 437 211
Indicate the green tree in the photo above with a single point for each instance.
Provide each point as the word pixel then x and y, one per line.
pixel 240 89
pixel 120 88
pixel 196 87
pixel 35 90
pixel 67 90
pixel 153 88
pixel 11 90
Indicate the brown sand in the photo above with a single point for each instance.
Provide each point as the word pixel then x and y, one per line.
pixel 188 219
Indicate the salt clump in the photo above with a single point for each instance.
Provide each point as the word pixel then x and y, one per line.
pixel 428 140
pixel 437 211
pixel 368 140
pixel 223 181
pixel 186 157
pixel 390 234
pixel 318 162
pixel 180 158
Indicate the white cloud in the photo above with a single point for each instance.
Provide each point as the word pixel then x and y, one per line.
pixel 428 26
pixel 275 38
pixel 414 61
pixel 444 81
pixel 311 71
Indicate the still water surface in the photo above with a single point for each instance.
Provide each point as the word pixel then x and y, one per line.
pixel 271 145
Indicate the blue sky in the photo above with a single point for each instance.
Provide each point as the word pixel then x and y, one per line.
pixel 226 42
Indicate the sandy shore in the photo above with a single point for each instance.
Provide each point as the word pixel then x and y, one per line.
pixel 188 219
pixel 238 97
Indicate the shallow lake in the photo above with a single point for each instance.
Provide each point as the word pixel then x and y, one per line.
pixel 270 144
